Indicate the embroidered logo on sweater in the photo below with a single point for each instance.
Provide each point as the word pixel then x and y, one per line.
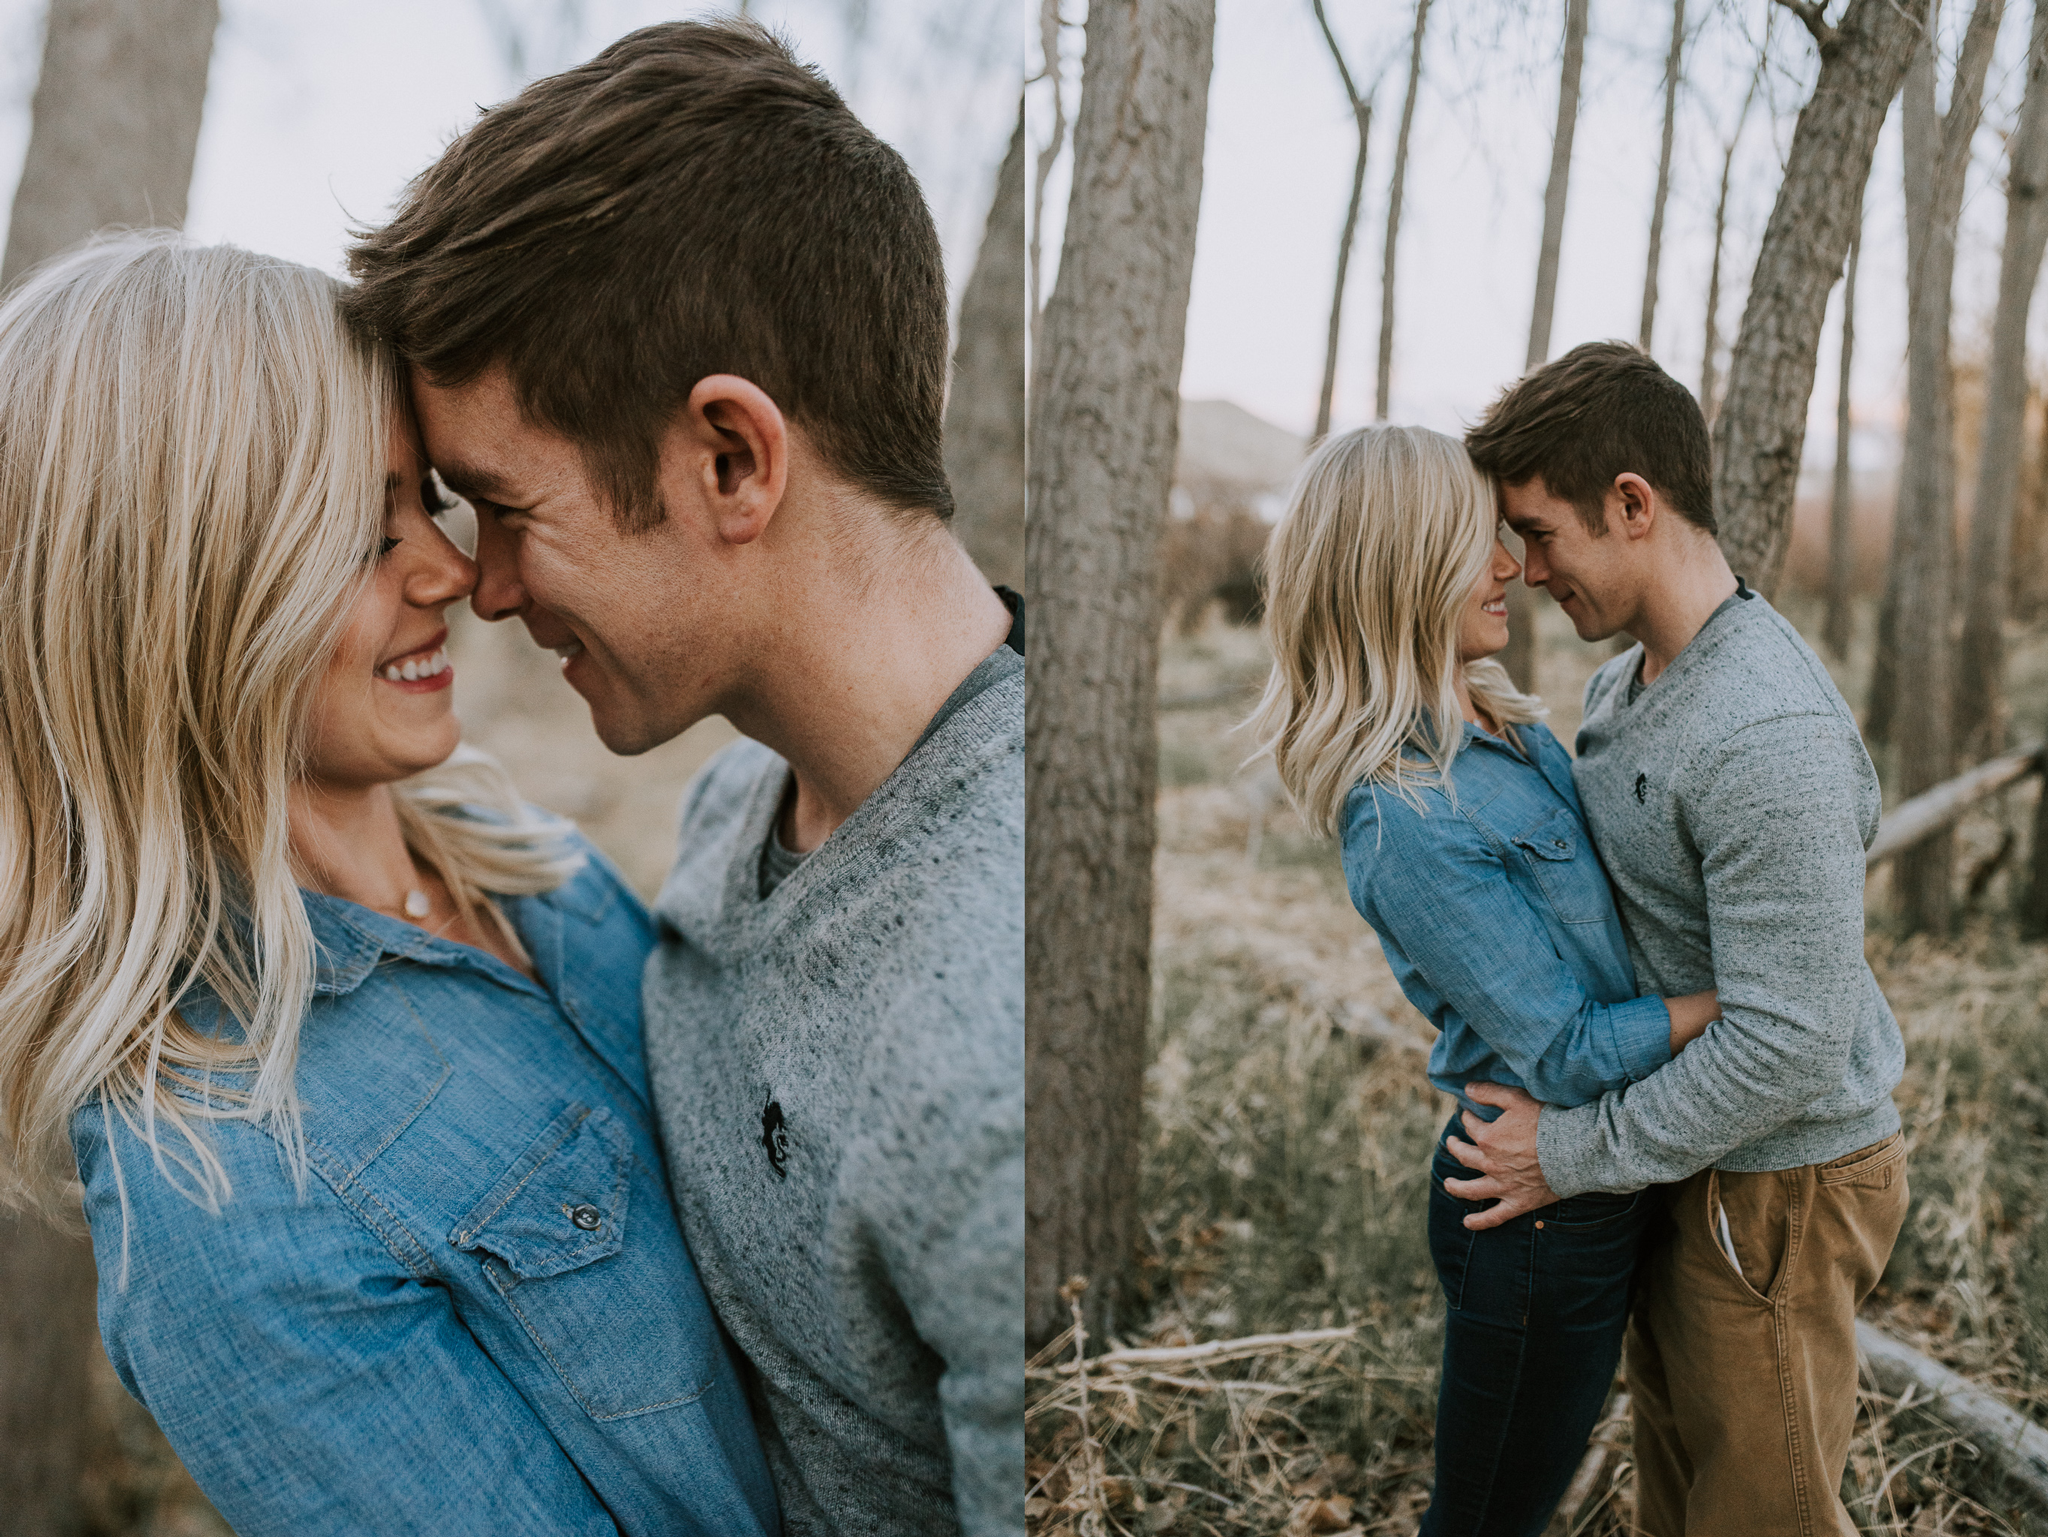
pixel 1642 789
pixel 775 1138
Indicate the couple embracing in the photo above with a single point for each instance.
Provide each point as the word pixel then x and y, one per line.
pixel 435 1185
pixel 1645 962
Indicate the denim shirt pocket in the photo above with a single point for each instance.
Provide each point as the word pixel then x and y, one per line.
pixel 552 1238
pixel 1569 873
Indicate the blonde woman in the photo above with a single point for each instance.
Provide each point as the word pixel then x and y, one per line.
pixel 345 1043
pixel 1464 848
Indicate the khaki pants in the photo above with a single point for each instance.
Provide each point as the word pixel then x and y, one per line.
pixel 1744 1381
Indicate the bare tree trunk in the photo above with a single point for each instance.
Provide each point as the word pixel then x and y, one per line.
pixel 1710 358
pixel 1560 179
pixel 1671 68
pixel 116 123
pixel 985 409
pixel 1383 387
pixel 47 1334
pixel 1761 426
pixel 1049 46
pixel 1980 683
pixel 1710 397
pixel 1361 113
pixel 1520 655
pixel 1913 702
pixel 1105 409
pixel 1835 629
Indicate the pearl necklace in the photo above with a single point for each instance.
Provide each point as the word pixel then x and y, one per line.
pixel 416 904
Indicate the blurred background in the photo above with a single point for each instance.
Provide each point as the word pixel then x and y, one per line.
pixel 280 126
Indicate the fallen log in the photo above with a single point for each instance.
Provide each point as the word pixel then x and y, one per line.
pixel 1208 1350
pixel 1925 815
pixel 2008 1442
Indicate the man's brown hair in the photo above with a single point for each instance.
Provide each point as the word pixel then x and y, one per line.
pixel 692 201
pixel 1603 409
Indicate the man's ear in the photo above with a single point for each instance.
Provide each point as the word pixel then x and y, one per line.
pixel 728 450
pixel 1637 513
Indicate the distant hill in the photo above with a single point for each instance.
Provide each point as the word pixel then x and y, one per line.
pixel 1224 445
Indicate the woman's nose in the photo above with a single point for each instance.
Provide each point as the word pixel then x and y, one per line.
pixel 441 575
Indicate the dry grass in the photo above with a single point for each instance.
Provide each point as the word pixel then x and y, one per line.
pixel 1284 1189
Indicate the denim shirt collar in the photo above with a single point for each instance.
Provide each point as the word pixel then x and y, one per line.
pixel 1552 765
pixel 352 939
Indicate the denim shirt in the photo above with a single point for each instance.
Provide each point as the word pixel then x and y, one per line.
pixel 480 1316
pixel 1497 919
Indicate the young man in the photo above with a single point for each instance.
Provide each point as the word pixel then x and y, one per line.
pixel 1729 792
pixel 677 327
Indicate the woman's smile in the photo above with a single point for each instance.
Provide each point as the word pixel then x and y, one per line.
pixel 422 670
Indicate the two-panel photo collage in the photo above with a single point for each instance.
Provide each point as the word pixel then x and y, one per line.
pixel 566 969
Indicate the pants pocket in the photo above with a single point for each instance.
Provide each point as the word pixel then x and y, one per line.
pixel 1752 1213
pixel 1450 1241
pixel 1596 1209
pixel 1874 1167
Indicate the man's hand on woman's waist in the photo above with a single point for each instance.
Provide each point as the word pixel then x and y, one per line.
pixel 1503 1150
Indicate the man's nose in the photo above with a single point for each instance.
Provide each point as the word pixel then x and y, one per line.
pixel 499 593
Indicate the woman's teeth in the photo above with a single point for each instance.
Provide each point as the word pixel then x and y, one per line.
pixel 414 668
pixel 567 649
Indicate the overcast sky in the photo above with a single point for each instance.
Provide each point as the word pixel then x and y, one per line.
pixel 1277 170
pixel 317 114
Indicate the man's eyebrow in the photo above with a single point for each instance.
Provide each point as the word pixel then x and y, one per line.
pixel 470 481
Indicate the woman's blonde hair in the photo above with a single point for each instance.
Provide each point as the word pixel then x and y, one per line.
pixel 192 463
pixel 1387 532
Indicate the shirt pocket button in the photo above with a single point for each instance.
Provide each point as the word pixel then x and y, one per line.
pixel 589 1218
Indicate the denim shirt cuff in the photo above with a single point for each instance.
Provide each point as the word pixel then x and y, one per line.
pixel 1642 1035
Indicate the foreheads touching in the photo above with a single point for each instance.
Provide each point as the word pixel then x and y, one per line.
pixel 1604 430
pixel 692 203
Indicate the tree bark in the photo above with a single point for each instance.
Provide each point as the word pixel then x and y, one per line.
pixel 1980 683
pixel 47 1333
pixel 116 123
pixel 1913 699
pixel 1835 629
pixel 1384 384
pixel 1761 426
pixel 115 127
pixel 1361 113
pixel 985 410
pixel 1560 178
pixel 1105 406
pixel 1671 68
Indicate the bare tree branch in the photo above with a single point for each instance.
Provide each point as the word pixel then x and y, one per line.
pixel 1813 14
pixel 1361 112
pixel 1049 24
pixel 1384 386
pixel 1672 66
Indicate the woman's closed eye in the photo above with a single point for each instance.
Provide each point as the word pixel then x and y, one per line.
pixel 433 498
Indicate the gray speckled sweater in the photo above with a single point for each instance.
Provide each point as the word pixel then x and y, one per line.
pixel 1732 801
pixel 839 1069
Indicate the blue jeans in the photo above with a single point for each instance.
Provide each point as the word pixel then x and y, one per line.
pixel 1537 1307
